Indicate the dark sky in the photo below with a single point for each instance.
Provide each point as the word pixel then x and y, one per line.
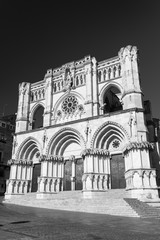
pixel 39 35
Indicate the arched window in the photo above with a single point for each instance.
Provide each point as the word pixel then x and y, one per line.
pixel 81 79
pixel 104 74
pixel 77 81
pixel 99 76
pixel 119 70
pixel 111 101
pixel 109 73
pixel 114 71
pixel 38 118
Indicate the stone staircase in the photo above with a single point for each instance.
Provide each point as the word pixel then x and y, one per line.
pixel 143 209
pixel 114 202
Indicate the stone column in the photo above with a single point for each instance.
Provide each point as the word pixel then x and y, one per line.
pixel 96 173
pixel 48 98
pixel 89 87
pixel 73 177
pixel 140 177
pixel 23 107
pixel 132 96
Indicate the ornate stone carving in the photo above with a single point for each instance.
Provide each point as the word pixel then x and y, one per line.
pixel 20 162
pixel 54 158
pixel 94 151
pixel 138 145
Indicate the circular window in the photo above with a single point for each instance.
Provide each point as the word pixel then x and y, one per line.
pixel 116 144
pixel 69 105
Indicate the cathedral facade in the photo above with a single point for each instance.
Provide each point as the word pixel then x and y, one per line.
pixel 83 128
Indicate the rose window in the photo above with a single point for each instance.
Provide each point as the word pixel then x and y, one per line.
pixel 116 144
pixel 69 104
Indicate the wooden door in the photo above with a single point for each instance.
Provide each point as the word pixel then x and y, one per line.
pixel 35 175
pixel 79 174
pixel 117 172
pixel 67 176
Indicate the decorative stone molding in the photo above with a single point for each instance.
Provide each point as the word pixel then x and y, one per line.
pixel 105 125
pixel 130 51
pixel 138 145
pixel 94 151
pixel 49 184
pixel 14 186
pixel 95 182
pixel 22 145
pixel 23 162
pixel 51 158
pixel 140 178
pixel 58 135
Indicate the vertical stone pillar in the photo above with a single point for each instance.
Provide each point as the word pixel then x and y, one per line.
pixel 48 98
pixel 73 177
pixel 96 172
pixel 89 87
pixel 140 177
pixel 95 88
pixel 132 97
pixel 23 107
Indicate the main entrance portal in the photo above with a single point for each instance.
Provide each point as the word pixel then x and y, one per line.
pixel 36 174
pixel 68 171
pixel 117 172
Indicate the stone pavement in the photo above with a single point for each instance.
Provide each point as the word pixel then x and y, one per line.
pixel 27 223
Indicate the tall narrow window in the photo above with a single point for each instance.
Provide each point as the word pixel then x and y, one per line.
pixel 38 118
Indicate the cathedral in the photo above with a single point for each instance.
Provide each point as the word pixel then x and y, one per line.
pixel 85 127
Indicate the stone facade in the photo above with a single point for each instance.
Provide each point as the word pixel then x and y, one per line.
pixel 84 128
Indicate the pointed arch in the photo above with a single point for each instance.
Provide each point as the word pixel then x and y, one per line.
pixel 62 139
pixel 108 132
pixel 29 149
pixel 36 115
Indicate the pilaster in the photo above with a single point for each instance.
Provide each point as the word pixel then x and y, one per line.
pixel 48 98
pixel 23 107
pixel 132 96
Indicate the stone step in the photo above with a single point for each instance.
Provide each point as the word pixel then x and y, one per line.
pixel 110 202
pixel 143 209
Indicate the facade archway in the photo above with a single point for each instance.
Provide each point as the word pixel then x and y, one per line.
pixel 30 151
pixel 110 98
pixel 112 137
pixel 69 143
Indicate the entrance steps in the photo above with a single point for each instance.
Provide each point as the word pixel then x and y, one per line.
pixel 113 202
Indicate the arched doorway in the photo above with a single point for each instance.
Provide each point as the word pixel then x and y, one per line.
pixel 68 143
pixel 36 173
pixel 117 171
pixel 113 137
pixel 73 168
